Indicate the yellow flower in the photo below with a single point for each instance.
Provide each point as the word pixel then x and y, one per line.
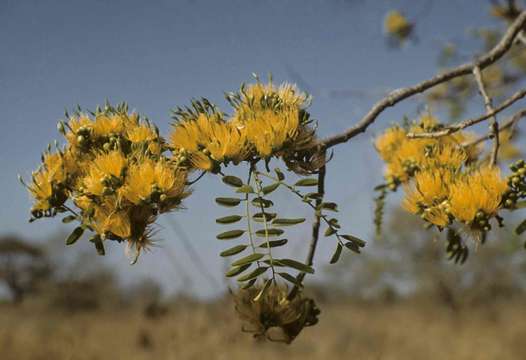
pixel 80 124
pixel 54 163
pixel 148 177
pixel 397 24
pixel 270 116
pixel 107 218
pixel 41 189
pixel 479 190
pixel 404 157
pixel 428 194
pixel 186 135
pixel 462 138
pixel 104 172
pixel 84 203
pixel 226 142
pixel 426 123
pixel 259 96
pixel 72 164
pixel 269 131
pixel 109 124
pixel 209 133
pixel 47 186
pixel 446 155
pixel 409 158
pixel 144 134
pixel 389 142
pixel 141 133
pixel 201 161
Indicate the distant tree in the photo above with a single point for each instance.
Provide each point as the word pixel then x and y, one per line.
pixel 22 266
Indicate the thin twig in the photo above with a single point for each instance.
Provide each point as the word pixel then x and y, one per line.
pixel 470 122
pixel 196 179
pixel 510 123
pixel 398 95
pixel 488 104
pixel 315 230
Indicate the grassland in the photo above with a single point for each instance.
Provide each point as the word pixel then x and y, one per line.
pixel 191 330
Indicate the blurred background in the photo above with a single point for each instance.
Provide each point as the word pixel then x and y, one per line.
pixel 400 299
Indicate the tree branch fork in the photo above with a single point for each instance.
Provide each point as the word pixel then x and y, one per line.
pixel 512 34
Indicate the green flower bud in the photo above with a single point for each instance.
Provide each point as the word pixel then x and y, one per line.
pixel 60 128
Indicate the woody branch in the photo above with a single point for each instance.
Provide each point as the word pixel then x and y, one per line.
pixel 398 95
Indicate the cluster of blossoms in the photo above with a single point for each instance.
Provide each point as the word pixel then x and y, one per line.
pixel 267 121
pixel 444 181
pixel 397 26
pixel 116 174
pixel 113 169
pixel 404 157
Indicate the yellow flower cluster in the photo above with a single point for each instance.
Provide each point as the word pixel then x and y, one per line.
pixel 48 186
pixel 267 121
pixel 442 181
pixel 115 174
pixel 207 140
pixel 441 196
pixel 404 157
pixel 114 171
pixel 396 24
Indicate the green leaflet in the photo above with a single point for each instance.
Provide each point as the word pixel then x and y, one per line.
pixel 307 182
pixel 248 259
pixel 253 274
pixel 232 181
pixel 229 219
pixel 228 202
pixel 287 222
pixel 232 234
pixel 75 235
pixel 233 250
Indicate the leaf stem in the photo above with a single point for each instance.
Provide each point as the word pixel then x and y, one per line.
pixel 315 230
pixel 259 192
pixel 247 212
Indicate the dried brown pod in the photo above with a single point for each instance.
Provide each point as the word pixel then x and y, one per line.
pixel 274 316
pixel 305 158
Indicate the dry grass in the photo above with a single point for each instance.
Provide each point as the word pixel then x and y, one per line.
pixel 406 330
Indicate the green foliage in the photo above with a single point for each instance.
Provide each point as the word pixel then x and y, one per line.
pixel 307 182
pixel 75 235
pixel 232 181
pixel 248 259
pixel 233 250
pixel 456 249
pixel 228 202
pixel 99 246
pixel 273 243
pixel 229 219
pixel 260 227
pixel 337 253
pixel 231 234
pixel 379 206
pixel 521 228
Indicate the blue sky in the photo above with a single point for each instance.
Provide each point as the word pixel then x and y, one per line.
pixel 159 54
